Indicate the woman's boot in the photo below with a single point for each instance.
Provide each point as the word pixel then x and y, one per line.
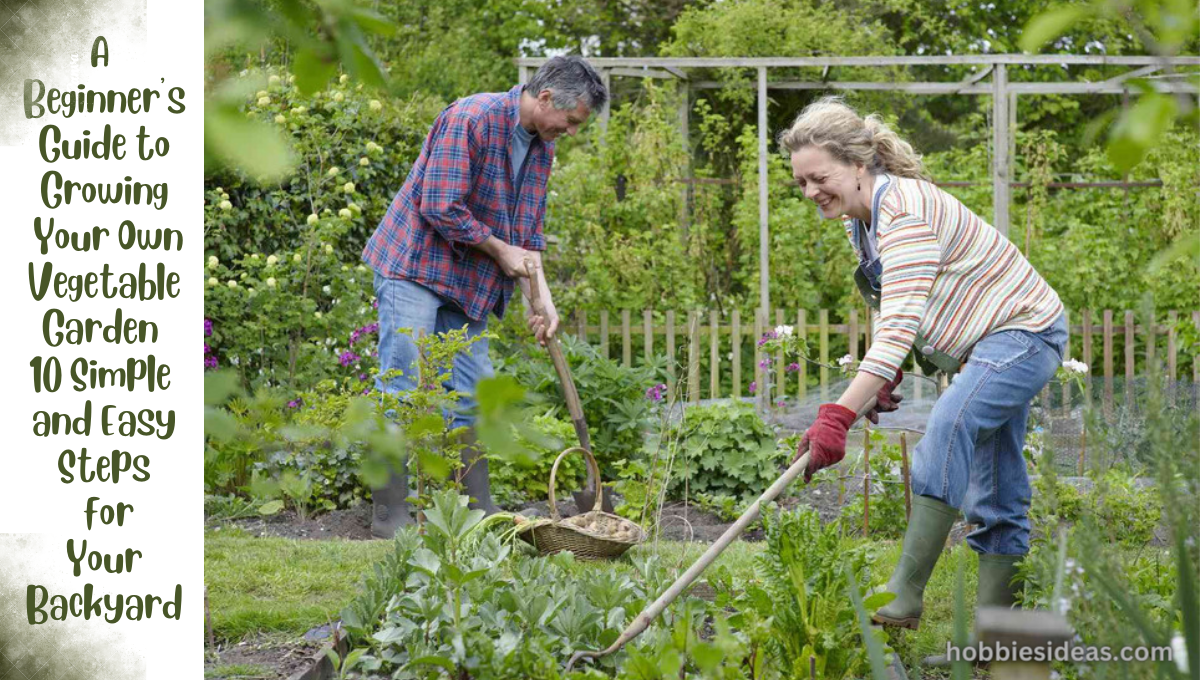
pixel 928 527
pixel 389 506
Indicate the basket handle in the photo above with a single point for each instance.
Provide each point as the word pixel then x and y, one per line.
pixel 593 469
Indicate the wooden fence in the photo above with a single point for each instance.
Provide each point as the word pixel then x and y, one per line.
pixel 694 335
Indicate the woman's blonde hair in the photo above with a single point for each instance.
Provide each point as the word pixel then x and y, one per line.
pixel 832 125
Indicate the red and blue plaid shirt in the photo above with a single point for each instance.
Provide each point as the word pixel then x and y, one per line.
pixel 459 192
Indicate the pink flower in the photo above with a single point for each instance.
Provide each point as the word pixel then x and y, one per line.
pixel 753 386
pixel 793 368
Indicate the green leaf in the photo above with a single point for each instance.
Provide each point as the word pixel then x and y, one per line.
pixel 373 21
pixel 878 600
pixel 1051 24
pixel 270 508
pixel 313 70
pixel 256 148
pixel 1139 129
pixel 440 661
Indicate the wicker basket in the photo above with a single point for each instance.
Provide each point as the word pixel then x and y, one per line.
pixel 556 534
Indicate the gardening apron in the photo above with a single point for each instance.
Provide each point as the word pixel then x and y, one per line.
pixel 868 277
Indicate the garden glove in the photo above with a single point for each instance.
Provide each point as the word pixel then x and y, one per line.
pixel 825 441
pixel 887 400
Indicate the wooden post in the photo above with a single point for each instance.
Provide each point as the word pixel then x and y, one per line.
pixel 780 367
pixel 1151 341
pixel 1000 158
pixel 606 78
pixel 694 356
pixel 604 333
pixel 1087 356
pixel 1130 354
pixel 581 326
pixel 671 353
pixel 802 374
pixel 853 332
pixel 714 355
pixel 1108 359
pixel 1172 352
pixel 764 295
pixel 736 346
pixel 626 340
pixel 759 374
pixel 648 335
pixel 823 319
pixel 866 479
pixel 904 474
pixel 685 215
pixel 1029 628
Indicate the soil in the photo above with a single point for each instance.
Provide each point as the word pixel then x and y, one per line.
pixel 353 524
pixel 276 659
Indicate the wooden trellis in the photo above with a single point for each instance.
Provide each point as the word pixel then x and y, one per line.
pixel 1003 91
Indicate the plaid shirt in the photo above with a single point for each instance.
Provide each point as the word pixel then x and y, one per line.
pixel 459 192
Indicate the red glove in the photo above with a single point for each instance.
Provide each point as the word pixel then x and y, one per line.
pixel 825 441
pixel 887 400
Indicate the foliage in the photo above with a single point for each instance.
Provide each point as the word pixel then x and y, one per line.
pixel 514 482
pixel 613 396
pixel 726 449
pixel 460 604
pixel 887 518
pixel 801 605
pixel 232 140
pixel 1108 594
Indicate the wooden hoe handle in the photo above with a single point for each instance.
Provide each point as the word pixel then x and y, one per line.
pixel 643 620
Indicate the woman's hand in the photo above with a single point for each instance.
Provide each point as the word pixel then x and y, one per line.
pixel 825 441
pixel 886 400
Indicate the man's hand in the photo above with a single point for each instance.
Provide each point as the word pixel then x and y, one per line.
pixel 543 326
pixel 825 441
pixel 510 258
pixel 886 400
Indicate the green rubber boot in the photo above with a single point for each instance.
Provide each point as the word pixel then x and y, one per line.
pixel 924 540
pixel 996 589
pixel 996 574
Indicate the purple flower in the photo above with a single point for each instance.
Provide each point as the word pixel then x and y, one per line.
pixel 765 363
pixel 210 362
pixel 346 358
pixel 769 335
pixel 375 304
pixel 296 403
pixel 753 386
pixel 207 327
pixel 793 368
pixel 362 377
pixel 207 349
pixel 357 333
pixel 779 403
pixel 656 392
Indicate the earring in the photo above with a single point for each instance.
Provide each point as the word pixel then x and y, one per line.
pixel 860 185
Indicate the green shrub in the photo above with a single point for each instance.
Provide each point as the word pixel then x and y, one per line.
pixel 726 449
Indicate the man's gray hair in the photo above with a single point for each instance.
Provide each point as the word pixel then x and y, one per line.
pixel 572 81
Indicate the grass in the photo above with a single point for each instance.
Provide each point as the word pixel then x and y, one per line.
pixel 238 671
pixel 275 584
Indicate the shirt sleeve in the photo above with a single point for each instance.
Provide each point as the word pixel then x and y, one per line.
pixel 452 147
pixel 910 254
pixel 537 238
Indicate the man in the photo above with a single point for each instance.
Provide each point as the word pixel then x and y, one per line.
pixel 459 232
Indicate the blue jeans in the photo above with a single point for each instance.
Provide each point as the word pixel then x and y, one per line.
pixel 971 455
pixel 405 304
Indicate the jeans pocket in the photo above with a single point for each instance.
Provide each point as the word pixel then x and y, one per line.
pixel 1001 350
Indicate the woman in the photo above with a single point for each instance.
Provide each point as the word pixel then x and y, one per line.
pixel 948 285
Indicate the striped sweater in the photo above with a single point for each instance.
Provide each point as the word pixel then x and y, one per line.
pixel 949 274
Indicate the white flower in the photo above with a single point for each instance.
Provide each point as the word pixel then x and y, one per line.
pixel 845 361
pixel 345 213
pixel 1075 366
pixel 273 80
pixel 212 281
pixel 232 283
pixel 375 105
pixel 297 258
pixel 213 261
pixel 225 205
pixel 1179 652
pixel 784 331
pixel 364 161
pixel 318 315
pixel 271 260
pixel 343 78
pixel 328 249
pixel 263 101
pixel 312 219
pixel 338 96
pixel 271 282
pixel 326 290
pixel 348 187
pixel 333 171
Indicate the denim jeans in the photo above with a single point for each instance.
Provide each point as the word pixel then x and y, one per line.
pixel 971 455
pixel 405 304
